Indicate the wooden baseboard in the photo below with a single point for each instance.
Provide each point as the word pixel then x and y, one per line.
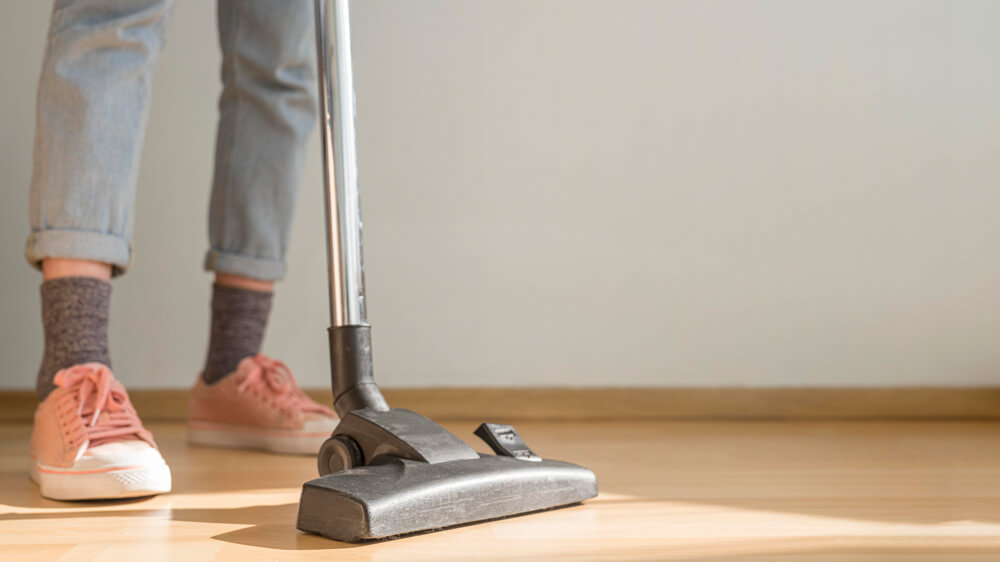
pixel 526 404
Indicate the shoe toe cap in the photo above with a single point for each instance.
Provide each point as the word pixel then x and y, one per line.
pixel 121 453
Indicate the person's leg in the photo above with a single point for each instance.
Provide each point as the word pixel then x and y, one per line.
pixel 267 111
pixel 93 97
pixel 93 92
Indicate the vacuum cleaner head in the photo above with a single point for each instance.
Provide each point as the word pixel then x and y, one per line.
pixel 393 495
pixel 403 496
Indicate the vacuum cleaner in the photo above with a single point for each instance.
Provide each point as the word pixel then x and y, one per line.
pixel 388 471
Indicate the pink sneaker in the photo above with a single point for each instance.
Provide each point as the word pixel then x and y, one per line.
pixel 88 442
pixel 259 406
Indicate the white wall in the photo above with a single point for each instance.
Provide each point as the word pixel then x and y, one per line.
pixel 595 193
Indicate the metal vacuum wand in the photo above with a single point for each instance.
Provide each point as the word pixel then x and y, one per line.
pixel 350 335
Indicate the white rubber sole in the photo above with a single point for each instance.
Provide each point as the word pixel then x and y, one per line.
pixel 284 441
pixel 101 484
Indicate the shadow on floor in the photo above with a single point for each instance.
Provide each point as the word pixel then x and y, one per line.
pixel 281 536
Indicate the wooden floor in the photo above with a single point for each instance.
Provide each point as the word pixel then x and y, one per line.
pixel 669 491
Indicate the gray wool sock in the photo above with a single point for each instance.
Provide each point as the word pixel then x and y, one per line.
pixel 75 321
pixel 239 318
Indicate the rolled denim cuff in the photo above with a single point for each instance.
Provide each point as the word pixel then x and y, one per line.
pixel 79 245
pixel 246 266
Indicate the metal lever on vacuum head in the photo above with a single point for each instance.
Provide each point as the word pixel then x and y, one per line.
pixel 350 336
pixel 504 440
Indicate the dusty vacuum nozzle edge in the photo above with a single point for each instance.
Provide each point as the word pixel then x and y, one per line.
pixel 403 496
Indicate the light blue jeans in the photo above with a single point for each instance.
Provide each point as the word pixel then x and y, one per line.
pixel 93 101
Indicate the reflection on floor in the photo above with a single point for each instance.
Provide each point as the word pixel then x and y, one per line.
pixel 669 491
